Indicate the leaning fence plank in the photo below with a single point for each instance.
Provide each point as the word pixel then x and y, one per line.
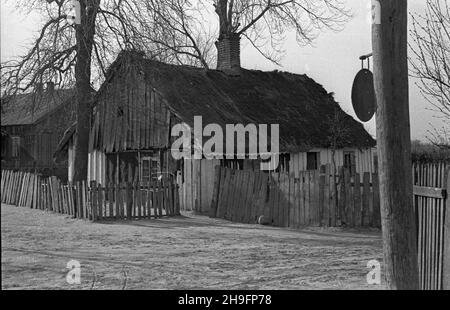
pixel 365 199
pixel 255 200
pixel 233 192
pixel 129 200
pixel 376 201
pixel 28 191
pixel 215 197
pixel 111 200
pixel 69 199
pixel 222 194
pixel 11 188
pixel 240 204
pixel 83 200
pixel 298 201
pixel 314 197
pixel 21 190
pixel 139 200
pixel 284 200
pixel 446 233
pixel 148 199
pixel 35 189
pixel 230 190
pixel 99 202
pixel 357 199
pixel 169 198
pixel 333 198
pixel 155 199
pixel 119 201
pixel 249 197
pixel 160 199
pixel 94 201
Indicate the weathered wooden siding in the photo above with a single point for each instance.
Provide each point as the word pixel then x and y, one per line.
pixel 364 159
pixel 97 167
pixel 130 115
pixel 70 161
pixel 198 183
pixel 38 143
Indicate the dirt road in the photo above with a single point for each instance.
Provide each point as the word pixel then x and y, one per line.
pixel 190 252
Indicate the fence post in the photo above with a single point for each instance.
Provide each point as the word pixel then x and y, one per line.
pixel 446 257
pixel 177 200
pixel 129 200
pixel 93 201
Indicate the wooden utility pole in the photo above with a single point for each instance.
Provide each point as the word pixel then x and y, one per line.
pixel 389 36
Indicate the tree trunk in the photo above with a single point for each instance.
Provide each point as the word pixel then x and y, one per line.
pixel 394 145
pixel 85 38
pixel 223 12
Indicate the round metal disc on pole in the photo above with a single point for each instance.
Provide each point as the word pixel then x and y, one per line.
pixel 363 95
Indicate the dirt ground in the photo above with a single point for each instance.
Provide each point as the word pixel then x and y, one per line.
pixel 188 252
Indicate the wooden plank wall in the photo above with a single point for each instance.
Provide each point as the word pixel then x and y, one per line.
pixel 364 159
pixel 314 198
pixel 93 202
pixel 130 114
pixel 430 193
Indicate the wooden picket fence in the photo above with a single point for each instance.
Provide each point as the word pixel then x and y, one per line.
pixel 321 199
pixel 314 198
pixel 94 202
pixel 431 189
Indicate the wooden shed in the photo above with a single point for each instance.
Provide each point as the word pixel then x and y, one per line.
pixel 32 124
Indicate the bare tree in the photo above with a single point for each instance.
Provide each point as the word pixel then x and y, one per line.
pixel 63 53
pixel 430 48
pixel 181 29
pixel 265 23
pixel 171 30
pixel 77 55
pixel 175 29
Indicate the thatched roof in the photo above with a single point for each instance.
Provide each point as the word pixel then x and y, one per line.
pixel 30 108
pixel 302 107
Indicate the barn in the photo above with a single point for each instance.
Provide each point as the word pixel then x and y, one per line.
pixel 32 124
pixel 142 99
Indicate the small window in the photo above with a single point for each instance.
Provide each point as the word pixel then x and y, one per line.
pixel 350 161
pixel 150 168
pixel 312 161
pixel 15 146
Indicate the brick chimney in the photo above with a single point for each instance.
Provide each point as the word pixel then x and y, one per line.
pixel 229 54
pixel 50 87
pixel 38 88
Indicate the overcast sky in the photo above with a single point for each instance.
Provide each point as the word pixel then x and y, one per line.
pixel 332 61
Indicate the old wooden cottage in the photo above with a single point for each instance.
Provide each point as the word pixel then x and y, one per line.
pixel 142 99
pixel 32 124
